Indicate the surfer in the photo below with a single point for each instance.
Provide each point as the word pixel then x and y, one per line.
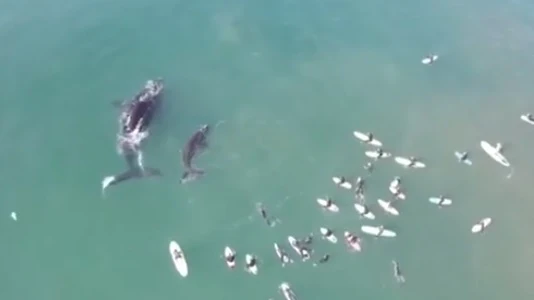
pixel 529 117
pixel 441 200
pixel 397 193
pixel 305 253
pixel 370 137
pixel 329 203
pixel 365 210
pixel 463 156
pixel 498 147
pixel 328 233
pixel 177 254
pixel 380 152
pixel 306 241
pixel 397 272
pixel 380 230
pixel 368 167
pixel 251 263
pixel 412 162
pixel 230 259
pixel 351 239
pixel 322 260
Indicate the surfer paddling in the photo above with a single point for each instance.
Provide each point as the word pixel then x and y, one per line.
pixel 397 272
pixel 271 222
pixel 322 260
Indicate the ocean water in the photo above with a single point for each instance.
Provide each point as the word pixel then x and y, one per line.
pixel 291 80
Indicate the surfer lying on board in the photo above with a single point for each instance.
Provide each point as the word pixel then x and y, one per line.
pixel 370 136
pixel 177 254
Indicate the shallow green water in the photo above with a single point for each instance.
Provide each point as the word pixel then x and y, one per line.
pixel 292 80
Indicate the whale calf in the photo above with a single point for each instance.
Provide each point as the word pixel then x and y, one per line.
pixel 196 143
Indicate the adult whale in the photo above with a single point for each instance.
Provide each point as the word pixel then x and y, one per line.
pixel 196 143
pixel 134 120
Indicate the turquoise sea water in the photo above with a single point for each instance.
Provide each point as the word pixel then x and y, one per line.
pixel 292 80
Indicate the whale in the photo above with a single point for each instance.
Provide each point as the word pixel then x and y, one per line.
pixel 138 112
pixel 195 145
pixel 134 120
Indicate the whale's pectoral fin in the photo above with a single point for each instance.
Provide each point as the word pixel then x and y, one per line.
pixel 113 180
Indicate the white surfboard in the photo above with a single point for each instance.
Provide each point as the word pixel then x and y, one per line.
pixel 361 209
pixel 374 230
pixel 323 203
pixel 331 238
pixel 403 161
pixel 526 119
pixel 466 161
pixel 293 243
pixel 394 185
pixel 436 200
pixel 427 60
pixel 284 258
pixel 355 246
pixel 287 291
pixel 178 258
pixel 493 153
pixel 374 154
pixel 481 225
pixel 252 269
pixel 388 208
pixel 364 138
pixel 346 185
pixel 229 252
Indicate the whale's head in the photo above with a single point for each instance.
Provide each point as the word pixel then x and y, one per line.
pixel 205 129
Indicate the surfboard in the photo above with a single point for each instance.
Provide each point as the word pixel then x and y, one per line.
pixel 331 238
pixel 466 161
pixel 179 261
pixel 388 208
pixel 364 138
pixel 373 230
pixel 293 243
pixel 427 60
pixel 252 269
pixel 228 252
pixel 435 200
pixel 526 119
pixel 481 225
pixel 361 209
pixel 346 185
pixel 403 161
pixel 287 291
pixel 355 246
pixel 394 185
pixel 324 202
pixel 281 255
pixel 374 154
pixel 493 153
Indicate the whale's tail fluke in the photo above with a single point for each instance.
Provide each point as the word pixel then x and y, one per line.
pixel 191 174
pixel 129 174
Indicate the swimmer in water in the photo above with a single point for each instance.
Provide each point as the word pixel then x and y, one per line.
pixel 322 260
pixel 397 272
pixel 263 212
pixel 368 167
